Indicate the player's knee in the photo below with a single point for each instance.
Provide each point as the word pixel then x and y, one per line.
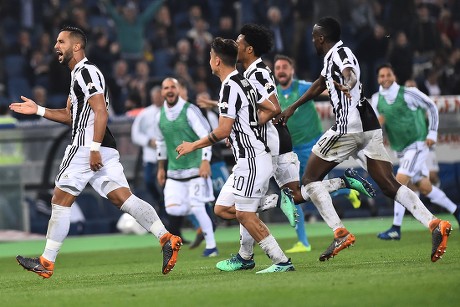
pixel 425 187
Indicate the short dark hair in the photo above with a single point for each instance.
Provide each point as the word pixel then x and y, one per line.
pixel 384 65
pixel 330 28
pixel 283 57
pixel 259 37
pixel 76 33
pixel 226 49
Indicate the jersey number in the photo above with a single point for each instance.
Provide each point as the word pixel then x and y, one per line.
pixel 238 183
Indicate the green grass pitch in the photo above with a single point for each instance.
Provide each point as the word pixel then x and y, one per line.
pixel 122 270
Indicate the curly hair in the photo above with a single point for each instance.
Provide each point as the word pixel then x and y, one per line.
pixel 259 37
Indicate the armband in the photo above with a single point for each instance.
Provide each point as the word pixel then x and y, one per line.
pixel 95 146
pixel 40 111
pixel 212 138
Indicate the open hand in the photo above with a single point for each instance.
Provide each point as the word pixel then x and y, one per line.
pixel 27 107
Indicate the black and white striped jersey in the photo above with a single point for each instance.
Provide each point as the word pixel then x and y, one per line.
pixel 238 100
pixel 261 77
pixel 351 115
pixel 87 81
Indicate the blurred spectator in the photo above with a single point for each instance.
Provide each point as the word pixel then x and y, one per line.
pixel 430 84
pixel 6 120
pixel 40 67
pixel 23 45
pixel 45 45
pixel 448 29
pixel 118 82
pixel 186 13
pixel 39 95
pixel 226 28
pixel 452 73
pixel 401 15
pixel 137 86
pixel 181 72
pixel 372 52
pixel 362 19
pixel 58 84
pixel 254 11
pixel 103 53
pixel 130 26
pixel 425 36
pixel 162 31
pixel 201 40
pixel 184 54
pixel 281 36
pixel 401 57
pixel 303 11
pixel 78 18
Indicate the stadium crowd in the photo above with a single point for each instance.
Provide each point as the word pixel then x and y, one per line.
pixel 137 43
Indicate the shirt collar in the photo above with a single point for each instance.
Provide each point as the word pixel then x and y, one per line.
pixel 230 75
pixel 79 64
pixel 253 65
pixel 180 102
pixel 391 92
pixel 335 47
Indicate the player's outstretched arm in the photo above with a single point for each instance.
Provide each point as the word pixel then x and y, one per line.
pixel 315 90
pixel 221 132
pixel 29 107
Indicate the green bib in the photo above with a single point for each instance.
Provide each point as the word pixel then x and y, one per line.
pixel 174 132
pixel 304 125
pixel 402 125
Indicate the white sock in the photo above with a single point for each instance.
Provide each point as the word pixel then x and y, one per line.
pixel 438 197
pixel 273 250
pixel 206 225
pixel 409 199
pixel 145 215
pixel 58 228
pixel 323 202
pixel 398 214
pixel 246 244
pixel 331 185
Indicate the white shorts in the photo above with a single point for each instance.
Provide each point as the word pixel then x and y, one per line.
pixel 412 161
pixel 247 183
pixel 432 161
pixel 334 147
pixel 226 197
pixel 188 193
pixel 75 172
pixel 286 168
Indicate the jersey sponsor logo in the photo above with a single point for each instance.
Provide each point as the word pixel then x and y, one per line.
pixel 270 87
pixel 222 105
pixel 91 87
pixel 244 82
